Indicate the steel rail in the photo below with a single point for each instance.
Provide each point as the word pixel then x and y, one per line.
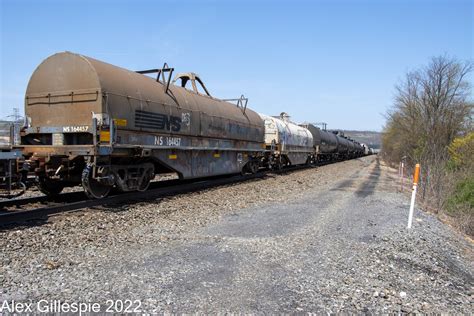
pixel 22 216
pixel 63 197
pixel 159 189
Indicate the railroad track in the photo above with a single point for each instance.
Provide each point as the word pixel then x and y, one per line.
pixel 68 197
pixel 73 201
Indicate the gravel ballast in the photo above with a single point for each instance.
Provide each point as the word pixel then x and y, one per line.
pixel 328 239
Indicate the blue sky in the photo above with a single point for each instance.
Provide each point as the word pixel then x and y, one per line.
pixel 332 61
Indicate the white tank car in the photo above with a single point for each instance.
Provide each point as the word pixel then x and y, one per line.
pixel 290 141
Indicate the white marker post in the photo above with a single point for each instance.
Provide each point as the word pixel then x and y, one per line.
pixel 413 194
pixel 402 168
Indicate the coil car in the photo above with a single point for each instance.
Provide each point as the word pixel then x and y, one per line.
pixel 103 126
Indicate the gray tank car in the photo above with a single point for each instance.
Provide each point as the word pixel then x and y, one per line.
pixel 343 146
pixel 103 126
pixel 324 143
pixel 332 145
pixel 348 148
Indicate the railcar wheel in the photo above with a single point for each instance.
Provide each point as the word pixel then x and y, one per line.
pixel 251 167
pixel 49 187
pixel 278 165
pixel 93 188
pixel 144 185
pixel 150 174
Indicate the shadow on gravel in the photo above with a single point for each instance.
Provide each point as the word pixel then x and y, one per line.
pixel 344 185
pixel 367 188
pixel 25 224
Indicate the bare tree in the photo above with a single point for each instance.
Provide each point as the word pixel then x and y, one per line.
pixel 431 108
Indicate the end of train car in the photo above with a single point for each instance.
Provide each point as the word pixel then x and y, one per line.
pixel 13 172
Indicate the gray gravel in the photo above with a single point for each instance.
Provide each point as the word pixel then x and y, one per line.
pixel 329 239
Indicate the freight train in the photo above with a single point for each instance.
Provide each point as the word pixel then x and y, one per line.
pixel 94 124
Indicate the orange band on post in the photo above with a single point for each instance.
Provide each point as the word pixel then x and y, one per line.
pixel 416 176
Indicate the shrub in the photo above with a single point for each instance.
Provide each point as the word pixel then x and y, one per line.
pixel 462 199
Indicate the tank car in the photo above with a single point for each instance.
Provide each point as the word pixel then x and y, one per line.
pixel 324 143
pixel 359 151
pixel 365 149
pixel 102 126
pixel 357 148
pixel 343 146
pixel 286 142
pixel 351 147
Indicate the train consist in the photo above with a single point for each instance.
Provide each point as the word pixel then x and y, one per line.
pixel 97 125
